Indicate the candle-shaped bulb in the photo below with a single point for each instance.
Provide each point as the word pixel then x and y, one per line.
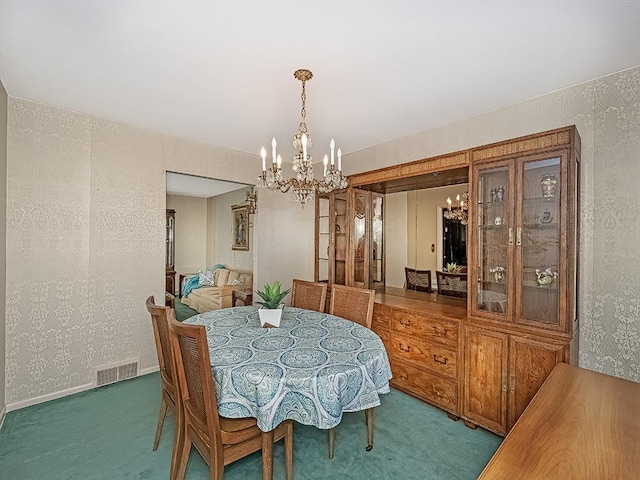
pixel 458 198
pixel 273 149
pixel 279 161
pixel 325 162
pixel 263 154
pixel 333 146
pixel 339 160
pixel 449 201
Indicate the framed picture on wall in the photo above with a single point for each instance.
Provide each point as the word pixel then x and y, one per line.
pixel 240 227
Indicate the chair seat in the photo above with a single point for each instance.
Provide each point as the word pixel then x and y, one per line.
pixel 237 424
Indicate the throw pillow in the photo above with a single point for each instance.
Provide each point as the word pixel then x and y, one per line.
pixel 205 279
pixel 237 281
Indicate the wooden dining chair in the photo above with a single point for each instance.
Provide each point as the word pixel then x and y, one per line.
pixel 159 320
pixel 219 440
pixel 452 284
pixel 309 295
pixel 419 280
pixel 355 304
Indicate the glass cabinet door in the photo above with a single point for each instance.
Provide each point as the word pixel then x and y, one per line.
pixel 538 242
pixel 377 234
pixel 360 240
pixel 340 231
pixel 494 238
pixel 323 240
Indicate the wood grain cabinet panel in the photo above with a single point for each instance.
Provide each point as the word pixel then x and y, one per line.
pixel 485 387
pixel 426 386
pixel 423 350
pixel 425 327
pixel 530 363
pixel 430 355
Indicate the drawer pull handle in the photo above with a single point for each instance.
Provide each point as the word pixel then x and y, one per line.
pixel 404 377
pixel 403 348
pixel 440 333
pixel 405 323
pixel 440 359
pixel 438 392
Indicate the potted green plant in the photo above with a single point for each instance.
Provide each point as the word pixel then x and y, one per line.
pixel 271 310
pixel 452 267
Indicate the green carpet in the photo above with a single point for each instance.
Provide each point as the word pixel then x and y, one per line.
pixel 182 311
pixel 107 433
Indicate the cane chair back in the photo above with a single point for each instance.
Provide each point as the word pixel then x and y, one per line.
pixel 419 280
pixel 355 304
pixel 219 440
pixel 352 303
pixel 452 284
pixel 309 295
pixel 169 398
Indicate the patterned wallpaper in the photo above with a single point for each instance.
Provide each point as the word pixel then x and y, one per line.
pixel 85 227
pixel 3 236
pixel 85 223
pixel 606 112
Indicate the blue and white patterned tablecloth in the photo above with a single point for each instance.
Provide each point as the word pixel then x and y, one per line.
pixel 311 369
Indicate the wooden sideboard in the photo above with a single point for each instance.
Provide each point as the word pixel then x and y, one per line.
pixel 581 424
pixel 421 332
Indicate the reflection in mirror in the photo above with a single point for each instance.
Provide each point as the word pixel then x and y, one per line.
pixel 416 237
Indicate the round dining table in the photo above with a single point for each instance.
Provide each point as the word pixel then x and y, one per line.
pixel 311 369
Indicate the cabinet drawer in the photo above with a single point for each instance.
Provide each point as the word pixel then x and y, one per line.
pixel 425 327
pixel 426 386
pixel 430 355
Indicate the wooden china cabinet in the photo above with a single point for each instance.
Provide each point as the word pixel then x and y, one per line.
pixel 349 238
pixel 521 309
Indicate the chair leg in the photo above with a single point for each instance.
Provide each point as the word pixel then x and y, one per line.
pixel 161 416
pixel 288 451
pixel 332 441
pixel 368 415
pixel 181 449
pixel 267 455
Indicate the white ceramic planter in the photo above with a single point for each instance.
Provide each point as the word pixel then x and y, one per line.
pixel 270 316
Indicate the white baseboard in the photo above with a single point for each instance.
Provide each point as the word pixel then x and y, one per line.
pixel 145 371
pixel 63 393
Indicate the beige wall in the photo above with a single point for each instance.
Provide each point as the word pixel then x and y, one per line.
pixel 606 112
pixel 3 243
pixel 221 234
pixel 86 201
pixel 395 238
pixel 424 226
pixel 190 233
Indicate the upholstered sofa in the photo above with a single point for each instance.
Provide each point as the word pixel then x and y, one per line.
pixel 218 295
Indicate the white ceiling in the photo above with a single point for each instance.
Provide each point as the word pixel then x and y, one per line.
pixel 222 72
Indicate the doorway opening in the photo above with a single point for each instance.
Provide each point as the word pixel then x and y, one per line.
pixel 454 242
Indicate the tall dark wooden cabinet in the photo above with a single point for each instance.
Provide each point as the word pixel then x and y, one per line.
pixel 522 317
pixel 170 277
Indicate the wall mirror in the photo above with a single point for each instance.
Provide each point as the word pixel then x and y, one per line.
pixel 417 237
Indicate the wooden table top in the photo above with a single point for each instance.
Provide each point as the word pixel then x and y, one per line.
pixel 580 425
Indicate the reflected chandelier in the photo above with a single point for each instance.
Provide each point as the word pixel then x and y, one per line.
pixel 303 186
pixel 460 212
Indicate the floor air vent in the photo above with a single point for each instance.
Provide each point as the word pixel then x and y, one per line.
pixel 114 373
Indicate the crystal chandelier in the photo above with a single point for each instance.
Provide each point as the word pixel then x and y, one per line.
pixel 303 186
pixel 460 211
